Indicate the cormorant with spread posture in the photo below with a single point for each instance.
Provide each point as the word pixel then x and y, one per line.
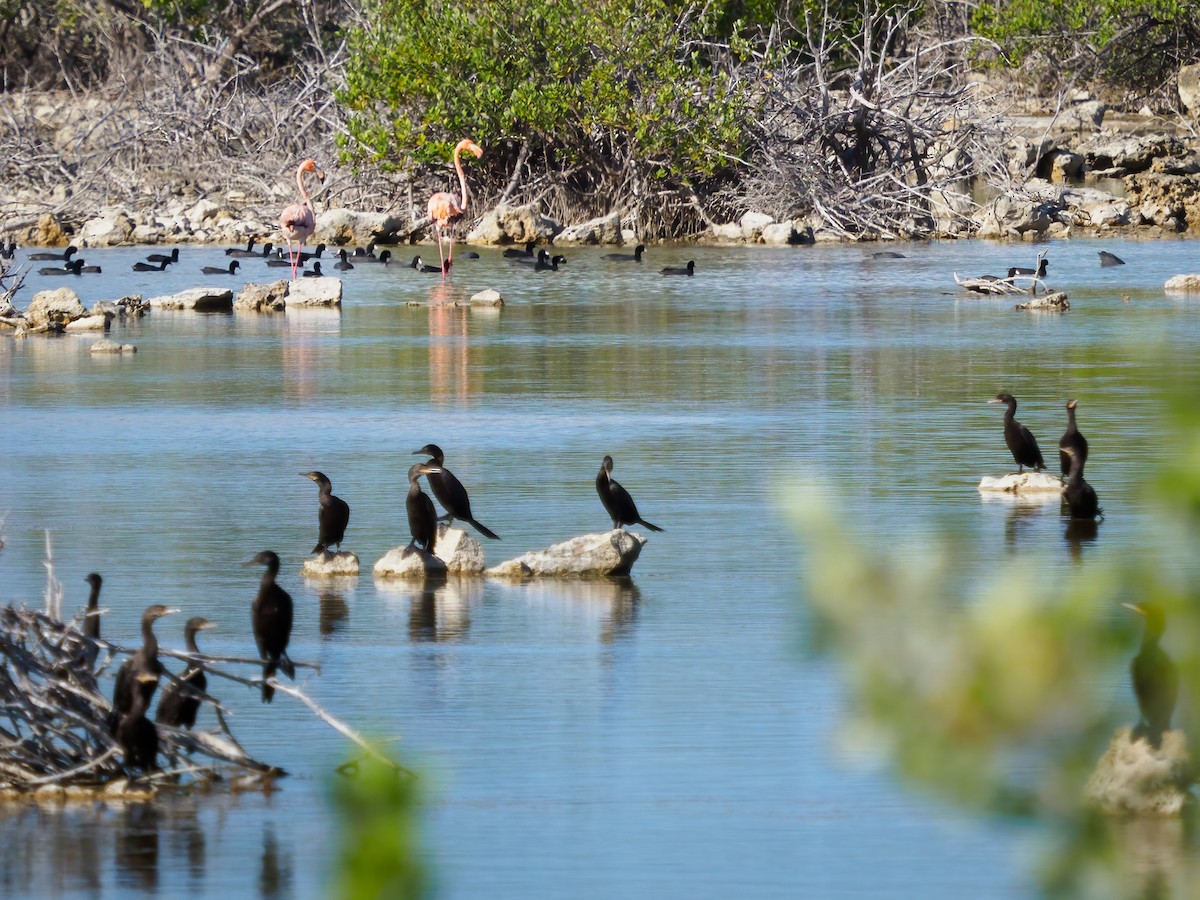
pixel 1073 438
pixel 144 662
pixel 1080 496
pixel 332 516
pixel 134 732
pixel 271 616
pixel 450 492
pixel 616 499
pixel 1018 438
pixel 1155 677
pixel 177 707
pixel 422 517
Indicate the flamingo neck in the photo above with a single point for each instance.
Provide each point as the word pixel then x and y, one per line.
pixel 462 179
pixel 300 184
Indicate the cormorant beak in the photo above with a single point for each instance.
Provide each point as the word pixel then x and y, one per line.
pixel 995 400
pixel 167 612
pixel 207 626
pixel 147 678
pixel 252 562
pixel 431 470
pixel 1137 609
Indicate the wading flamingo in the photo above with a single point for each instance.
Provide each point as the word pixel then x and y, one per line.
pixel 298 221
pixel 445 209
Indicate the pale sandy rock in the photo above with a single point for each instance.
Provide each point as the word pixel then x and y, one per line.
pixel 780 234
pixel 1098 207
pixel 315 292
pixel 1189 88
pixel 1054 302
pixel 729 231
pixel 107 230
pixel 1183 284
pixel 48 232
pixel 340 227
pixel 487 297
pixel 61 305
pixel 200 299
pixel 416 564
pixel 96 322
pixel 1022 483
pixel 752 225
pixel 206 212
pixel 587 556
pixel 262 298
pixel 107 346
pixel 514 225
pixel 462 554
pixel 1058 166
pixel 330 565
pixel 1085 116
pixel 602 230
pixel 1133 778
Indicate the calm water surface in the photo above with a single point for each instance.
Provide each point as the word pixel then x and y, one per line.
pixel 665 738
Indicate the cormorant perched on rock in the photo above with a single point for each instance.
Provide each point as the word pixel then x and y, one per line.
pixel 144 662
pixel 636 256
pixel 1080 496
pixel 1018 438
pixel 616 499
pixel 1155 677
pixel 91 622
pixel 450 492
pixel 689 269
pixel 1072 437
pixel 134 732
pixel 332 516
pixel 271 616
pixel 422 517
pixel 177 707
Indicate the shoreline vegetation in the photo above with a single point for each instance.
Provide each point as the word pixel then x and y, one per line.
pixel 164 122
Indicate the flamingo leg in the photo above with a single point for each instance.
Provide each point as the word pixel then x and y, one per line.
pixel 450 255
pixel 438 231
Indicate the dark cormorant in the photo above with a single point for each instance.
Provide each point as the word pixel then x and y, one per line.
pixel 1040 271
pixel 1110 259
pixel 1080 496
pixel 237 251
pixel 173 256
pixel 887 254
pixel 332 516
pixel 71 267
pixel 65 255
pixel 689 269
pixel 514 253
pixel 315 271
pixel 636 256
pixel 81 269
pixel 384 257
pixel 160 266
pixel 541 257
pixel 91 622
pixel 616 499
pixel 1155 677
pixel 316 253
pixel 548 264
pixel 217 270
pixel 422 267
pixel 1019 439
pixel 177 707
pixel 450 492
pixel 1072 437
pixel 422 517
pixel 344 264
pixel 9 250
pixel 369 253
pixel 271 616
pixel 144 662
pixel 134 732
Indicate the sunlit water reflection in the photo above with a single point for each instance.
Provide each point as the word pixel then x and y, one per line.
pixel 664 738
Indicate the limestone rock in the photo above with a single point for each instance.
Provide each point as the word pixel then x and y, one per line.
pixel 61 305
pixel 462 554
pixel 48 232
pixel 1133 153
pixel 1054 302
pixel 205 211
pixel 417 564
pixel 108 229
pixel 1178 196
pixel 487 297
pixel 1183 284
pixel 339 227
pixel 330 565
pixel 1059 166
pixel 260 298
pixel 587 556
pixel 514 225
pixel 1014 216
pixel 1093 207
pixel 1189 88
pixel 729 231
pixel 1022 483
pixel 604 230
pixel 95 322
pixel 106 346
pixel 781 234
pixel 1085 116
pixel 752 225
pixel 200 299
pixel 1134 778
pixel 315 292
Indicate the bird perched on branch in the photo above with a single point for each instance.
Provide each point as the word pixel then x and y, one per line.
pixel 134 732
pixel 445 209
pixel 177 706
pixel 271 618
pixel 129 679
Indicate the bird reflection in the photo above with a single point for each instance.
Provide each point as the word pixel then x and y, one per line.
pixel 136 846
pixel 624 611
pixel 334 610
pixel 1019 520
pixel 439 612
pixel 1078 533
pixel 275 876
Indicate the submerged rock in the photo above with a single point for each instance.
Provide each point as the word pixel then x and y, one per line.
pixel 587 556
pixel 1134 778
pixel 330 565
pixel 201 299
pixel 416 564
pixel 1022 483
pixel 1055 302
pixel 107 346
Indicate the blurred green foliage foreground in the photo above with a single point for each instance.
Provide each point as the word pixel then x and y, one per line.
pixel 999 689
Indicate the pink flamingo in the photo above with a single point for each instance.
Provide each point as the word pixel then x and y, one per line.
pixel 298 221
pixel 445 209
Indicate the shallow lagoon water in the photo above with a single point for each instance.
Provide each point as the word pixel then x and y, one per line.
pixel 670 737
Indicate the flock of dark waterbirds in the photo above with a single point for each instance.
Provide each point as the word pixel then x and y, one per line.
pixel 271 612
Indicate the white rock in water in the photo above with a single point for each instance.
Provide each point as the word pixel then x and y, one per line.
pixel 587 556
pixel 320 292
pixel 1023 483
pixel 417 564
pixel 330 565
pixel 196 299
pixel 61 305
pixel 262 298
pixel 1055 302
pixel 1133 777
pixel 88 323
pixel 462 554
pixel 1183 284
pixel 487 297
